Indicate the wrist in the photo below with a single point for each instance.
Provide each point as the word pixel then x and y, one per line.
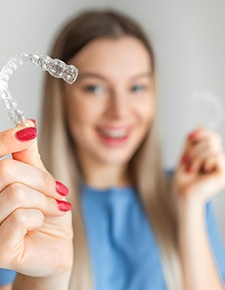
pixel 190 213
pixel 190 207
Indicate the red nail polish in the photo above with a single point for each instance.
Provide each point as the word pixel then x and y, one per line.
pixel 189 169
pixel 26 134
pixel 63 205
pixel 61 188
pixel 192 136
pixel 185 159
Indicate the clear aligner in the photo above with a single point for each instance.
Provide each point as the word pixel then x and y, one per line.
pixel 54 67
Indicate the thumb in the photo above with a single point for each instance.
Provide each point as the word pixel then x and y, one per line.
pixel 30 154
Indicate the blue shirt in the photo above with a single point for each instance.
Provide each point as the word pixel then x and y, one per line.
pixel 123 248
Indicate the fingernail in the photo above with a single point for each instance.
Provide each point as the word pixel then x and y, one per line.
pixel 26 134
pixel 63 205
pixel 192 136
pixel 185 159
pixel 189 169
pixel 61 188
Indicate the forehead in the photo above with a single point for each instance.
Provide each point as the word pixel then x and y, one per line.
pixel 121 56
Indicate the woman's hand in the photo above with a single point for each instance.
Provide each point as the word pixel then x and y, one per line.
pixel 200 173
pixel 35 219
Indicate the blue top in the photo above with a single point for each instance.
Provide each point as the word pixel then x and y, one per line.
pixel 124 251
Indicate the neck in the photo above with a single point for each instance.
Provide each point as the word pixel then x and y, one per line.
pixel 103 176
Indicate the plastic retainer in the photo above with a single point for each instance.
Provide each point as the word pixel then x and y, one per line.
pixel 54 67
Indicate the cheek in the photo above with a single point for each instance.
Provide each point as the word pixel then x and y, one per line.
pixel 77 110
pixel 77 120
pixel 81 116
pixel 146 112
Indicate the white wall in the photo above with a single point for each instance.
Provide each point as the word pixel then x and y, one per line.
pixel 189 41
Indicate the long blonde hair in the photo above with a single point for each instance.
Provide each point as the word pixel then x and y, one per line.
pixel 145 168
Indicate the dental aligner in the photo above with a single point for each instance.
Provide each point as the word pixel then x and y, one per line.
pixel 55 67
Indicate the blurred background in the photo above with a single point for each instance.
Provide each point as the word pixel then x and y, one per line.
pixel 189 42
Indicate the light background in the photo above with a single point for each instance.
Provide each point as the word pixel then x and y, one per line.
pixel 189 41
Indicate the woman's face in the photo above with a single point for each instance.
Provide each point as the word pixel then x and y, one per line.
pixel 111 106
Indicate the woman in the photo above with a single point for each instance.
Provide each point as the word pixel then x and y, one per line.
pixel 131 229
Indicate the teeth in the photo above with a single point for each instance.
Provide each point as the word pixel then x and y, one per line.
pixel 115 133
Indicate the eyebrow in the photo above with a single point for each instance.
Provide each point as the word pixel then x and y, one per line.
pixel 96 75
pixel 144 74
pixel 90 75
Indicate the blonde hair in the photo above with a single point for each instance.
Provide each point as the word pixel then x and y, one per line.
pixel 145 167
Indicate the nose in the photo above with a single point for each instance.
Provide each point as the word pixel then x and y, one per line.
pixel 118 105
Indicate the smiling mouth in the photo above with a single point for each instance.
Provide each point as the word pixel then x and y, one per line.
pixel 114 134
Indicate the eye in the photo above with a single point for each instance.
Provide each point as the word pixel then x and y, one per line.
pixel 95 89
pixel 137 88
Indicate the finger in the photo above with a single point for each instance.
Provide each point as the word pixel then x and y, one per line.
pixel 215 162
pixel 13 140
pixel 197 154
pixel 198 133
pixel 21 142
pixel 13 171
pixel 199 162
pixel 199 140
pixel 19 196
pixel 13 231
pixel 210 164
pixel 30 154
pixel 189 144
pixel 204 135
